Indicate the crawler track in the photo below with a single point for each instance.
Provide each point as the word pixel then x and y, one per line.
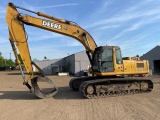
pixel 95 87
pixel 76 82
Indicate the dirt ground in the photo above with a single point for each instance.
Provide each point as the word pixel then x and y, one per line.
pixel 17 103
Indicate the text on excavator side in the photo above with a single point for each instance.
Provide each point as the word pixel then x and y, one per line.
pixel 52 25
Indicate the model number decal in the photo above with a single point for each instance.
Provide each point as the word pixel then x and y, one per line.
pixel 52 25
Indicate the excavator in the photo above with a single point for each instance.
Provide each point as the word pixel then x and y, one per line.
pixel 109 70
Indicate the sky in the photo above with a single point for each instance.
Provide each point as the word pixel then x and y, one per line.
pixel 133 25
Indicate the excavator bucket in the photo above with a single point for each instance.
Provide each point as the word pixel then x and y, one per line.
pixel 43 93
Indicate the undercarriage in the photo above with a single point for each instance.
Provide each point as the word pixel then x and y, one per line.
pixel 97 87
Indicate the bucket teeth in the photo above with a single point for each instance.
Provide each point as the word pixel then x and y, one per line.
pixel 37 90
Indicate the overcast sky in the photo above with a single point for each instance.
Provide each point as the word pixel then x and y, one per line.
pixel 134 25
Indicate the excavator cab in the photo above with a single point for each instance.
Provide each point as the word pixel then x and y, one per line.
pixel 104 58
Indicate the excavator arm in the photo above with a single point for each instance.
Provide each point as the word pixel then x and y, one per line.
pixel 18 39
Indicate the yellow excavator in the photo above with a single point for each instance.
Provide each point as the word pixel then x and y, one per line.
pixel 107 65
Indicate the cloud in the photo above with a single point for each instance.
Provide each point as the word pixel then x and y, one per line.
pixel 104 6
pixel 137 11
pixel 126 22
pixel 33 37
pixel 125 17
pixel 61 5
pixel 107 27
pixel 30 7
pixel 42 8
pixel 137 25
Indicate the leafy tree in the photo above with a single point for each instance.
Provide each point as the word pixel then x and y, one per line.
pixel 1 55
pixel 35 60
pixel 5 62
pixel 10 63
pixel 2 62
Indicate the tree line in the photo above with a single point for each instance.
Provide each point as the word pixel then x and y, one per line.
pixel 6 62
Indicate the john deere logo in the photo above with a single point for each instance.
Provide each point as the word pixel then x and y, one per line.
pixel 52 25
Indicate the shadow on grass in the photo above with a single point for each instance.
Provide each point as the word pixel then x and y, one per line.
pixel 63 93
